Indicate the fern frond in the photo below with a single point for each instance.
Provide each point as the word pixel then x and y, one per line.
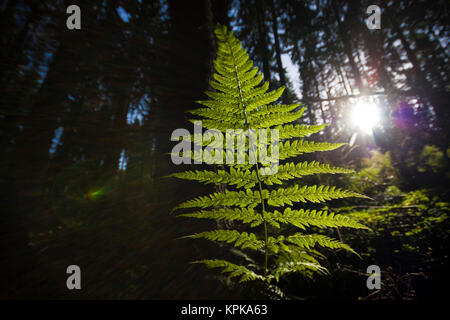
pixel 305 218
pixel 244 215
pixel 276 198
pixel 290 171
pixel 314 194
pixel 305 268
pixel 223 106
pixel 252 83
pixel 222 125
pixel 218 114
pixel 241 240
pixel 248 178
pixel 298 131
pixel 203 156
pixel 244 78
pixel 310 240
pixel 228 198
pixel 268 110
pixel 258 97
pixel 237 177
pixel 306 241
pixel 276 119
pixel 290 149
pixel 240 99
pixel 233 269
pixel 300 261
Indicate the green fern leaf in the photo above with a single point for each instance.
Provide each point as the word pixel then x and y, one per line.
pixel 233 269
pixel 298 147
pixel 290 171
pixel 314 194
pixel 305 218
pixel 238 239
pixel 244 215
pixel 240 99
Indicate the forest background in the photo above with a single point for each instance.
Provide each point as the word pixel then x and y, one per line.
pixel 86 117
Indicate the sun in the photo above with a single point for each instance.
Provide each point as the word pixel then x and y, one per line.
pixel 365 116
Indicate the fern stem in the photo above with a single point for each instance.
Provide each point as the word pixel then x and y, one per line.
pixel 266 252
pixel 247 124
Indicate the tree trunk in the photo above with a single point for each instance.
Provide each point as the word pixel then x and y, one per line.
pixel 281 72
pixel 260 16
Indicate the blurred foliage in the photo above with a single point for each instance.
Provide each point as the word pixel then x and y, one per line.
pixel 410 228
pixel 432 159
pixel 375 175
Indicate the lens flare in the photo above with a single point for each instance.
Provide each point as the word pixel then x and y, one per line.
pixel 365 116
pixel 95 194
